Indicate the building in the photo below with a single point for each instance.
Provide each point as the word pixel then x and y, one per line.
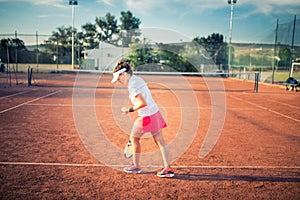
pixel 104 57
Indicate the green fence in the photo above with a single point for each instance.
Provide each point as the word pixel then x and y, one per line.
pixel 272 57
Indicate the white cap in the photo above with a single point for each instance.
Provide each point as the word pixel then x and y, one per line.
pixel 116 74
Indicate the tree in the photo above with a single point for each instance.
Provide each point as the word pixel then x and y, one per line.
pixel 129 27
pixel 162 57
pixel 5 49
pixel 60 44
pixel 284 55
pixel 173 60
pixel 141 53
pixel 89 35
pixel 215 46
pixel 108 26
pixel 8 48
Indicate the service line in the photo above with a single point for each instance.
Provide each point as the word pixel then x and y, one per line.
pixel 22 104
pixel 265 108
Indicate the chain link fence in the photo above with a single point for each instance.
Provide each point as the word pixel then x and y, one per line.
pixel 18 51
pixel 272 57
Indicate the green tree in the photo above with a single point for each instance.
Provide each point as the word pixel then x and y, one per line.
pixel 60 44
pixel 196 55
pixel 6 45
pixel 284 55
pixel 9 47
pixel 176 62
pixel 164 57
pixel 215 47
pixel 108 26
pixel 89 35
pixel 141 54
pixel 129 27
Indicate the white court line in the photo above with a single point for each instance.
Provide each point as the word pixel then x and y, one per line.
pixel 53 104
pixel 22 104
pixel 97 105
pixel 152 166
pixel 267 109
pixel 119 106
pixel 13 95
pixel 286 104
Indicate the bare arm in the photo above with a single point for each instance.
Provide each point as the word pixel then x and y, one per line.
pixel 141 102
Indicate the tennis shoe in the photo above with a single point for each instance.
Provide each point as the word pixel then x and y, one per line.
pixel 132 169
pixel 166 173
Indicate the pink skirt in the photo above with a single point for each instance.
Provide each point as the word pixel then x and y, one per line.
pixel 153 123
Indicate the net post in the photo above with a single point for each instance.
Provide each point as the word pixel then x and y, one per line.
pixel 256 82
pixel 29 73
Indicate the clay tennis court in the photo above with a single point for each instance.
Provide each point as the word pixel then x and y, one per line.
pixel 46 153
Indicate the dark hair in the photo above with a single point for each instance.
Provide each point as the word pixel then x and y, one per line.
pixel 123 64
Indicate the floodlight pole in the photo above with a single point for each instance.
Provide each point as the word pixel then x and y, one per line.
pixel 72 37
pixel 73 3
pixel 231 2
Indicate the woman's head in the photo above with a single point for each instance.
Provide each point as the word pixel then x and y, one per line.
pixel 123 64
pixel 119 70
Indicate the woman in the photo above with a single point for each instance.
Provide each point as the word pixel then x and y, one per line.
pixel 149 118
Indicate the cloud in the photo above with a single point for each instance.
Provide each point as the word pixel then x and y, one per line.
pixel 265 7
pixel 53 3
pixel 260 6
pixel 203 5
pixel 268 7
pixel 44 16
pixel 274 2
pixel 107 2
pixel 146 6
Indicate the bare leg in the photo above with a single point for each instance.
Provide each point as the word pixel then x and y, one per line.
pixel 136 150
pixel 159 140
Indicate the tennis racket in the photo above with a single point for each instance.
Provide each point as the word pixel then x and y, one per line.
pixel 128 150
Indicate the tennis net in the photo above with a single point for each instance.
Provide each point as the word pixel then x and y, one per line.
pixel 240 81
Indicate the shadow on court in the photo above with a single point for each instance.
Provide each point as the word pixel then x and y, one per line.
pixel 248 178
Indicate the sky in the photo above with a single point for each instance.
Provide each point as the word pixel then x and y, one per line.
pixel 253 20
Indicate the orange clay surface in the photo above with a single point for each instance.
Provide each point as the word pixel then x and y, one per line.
pixel 42 156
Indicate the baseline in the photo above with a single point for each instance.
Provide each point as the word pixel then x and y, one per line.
pixel 152 166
